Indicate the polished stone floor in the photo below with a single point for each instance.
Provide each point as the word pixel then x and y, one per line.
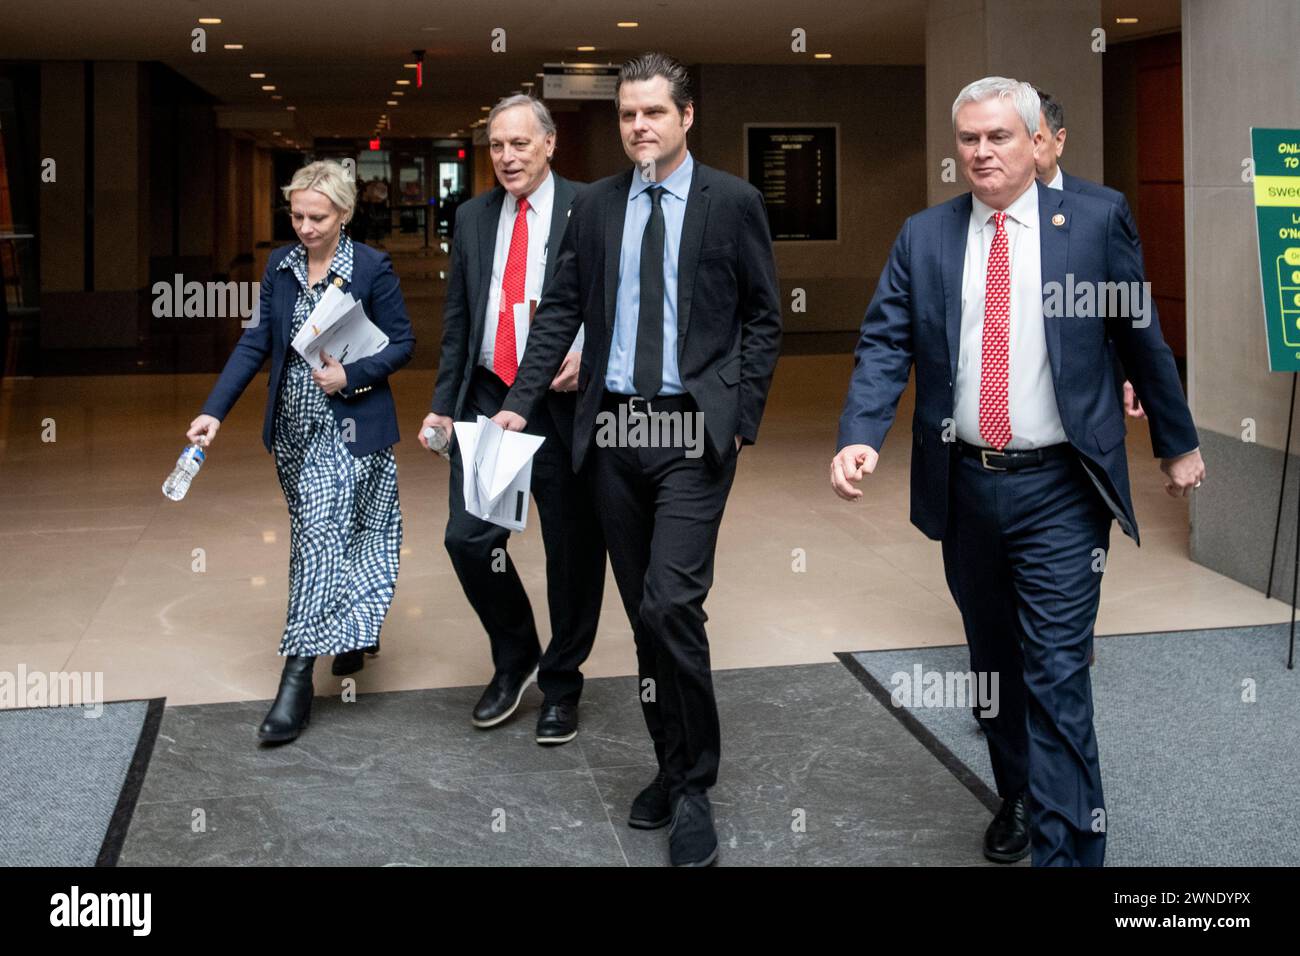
pixel 187 600
pixel 814 772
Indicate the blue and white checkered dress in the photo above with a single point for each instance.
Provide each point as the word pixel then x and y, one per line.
pixel 344 517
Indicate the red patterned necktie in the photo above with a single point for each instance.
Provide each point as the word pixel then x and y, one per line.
pixel 504 361
pixel 995 417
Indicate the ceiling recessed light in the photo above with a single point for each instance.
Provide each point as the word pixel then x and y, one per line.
pixel 277 96
pixel 1126 19
pixel 390 102
pixel 485 108
pixel 411 66
pixel 527 83
pixel 539 74
pixel 821 56
pixel 269 88
pixel 257 76
pixel 586 49
pixel 291 108
pixel 628 24
pixel 403 82
pixel 233 46
pixel 210 21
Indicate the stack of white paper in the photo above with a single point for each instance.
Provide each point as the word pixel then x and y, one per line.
pixel 498 468
pixel 338 326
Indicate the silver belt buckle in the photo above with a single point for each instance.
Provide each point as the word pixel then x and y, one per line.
pixel 984 459
pixel 631 405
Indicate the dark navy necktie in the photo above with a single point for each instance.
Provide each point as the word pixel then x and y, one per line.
pixel 648 370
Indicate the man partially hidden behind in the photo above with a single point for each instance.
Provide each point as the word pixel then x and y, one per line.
pixel 503 255
pixel 1047 162
pixel 1023 498
pixel 668 266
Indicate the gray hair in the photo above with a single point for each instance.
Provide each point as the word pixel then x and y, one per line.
pixel 328 177
pixel 1022 97
pixel 1053 112
pixel 649 65
pixel 540 112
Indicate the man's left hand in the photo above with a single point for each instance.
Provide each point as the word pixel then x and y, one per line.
pixel 566 379
pixel 1183 473
pixel 332 377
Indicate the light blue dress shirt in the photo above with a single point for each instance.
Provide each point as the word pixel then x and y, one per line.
pixel 622 349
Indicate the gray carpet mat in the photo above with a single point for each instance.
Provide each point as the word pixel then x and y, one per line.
pixel 69 781
pixel 1198 733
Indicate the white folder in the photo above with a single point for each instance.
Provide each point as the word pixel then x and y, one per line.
pixel 339 326
pixel 498 467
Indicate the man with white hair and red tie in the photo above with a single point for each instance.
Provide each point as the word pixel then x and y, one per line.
pixel 1018 457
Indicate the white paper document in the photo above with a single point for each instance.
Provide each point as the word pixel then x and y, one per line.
pixel 339 326
pixel 498 466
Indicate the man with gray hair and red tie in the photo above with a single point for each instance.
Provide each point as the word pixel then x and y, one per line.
pixel 503 256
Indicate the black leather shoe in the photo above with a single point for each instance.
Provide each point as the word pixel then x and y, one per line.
pixel 501 697
pixel 557 723
pixel 651 809
pixel 692 841
pixel 292 708
pixel 1007 838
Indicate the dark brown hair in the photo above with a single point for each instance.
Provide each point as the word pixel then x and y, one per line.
pixel 649 65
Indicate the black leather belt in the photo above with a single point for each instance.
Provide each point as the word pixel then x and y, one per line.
pixel 636 405
pixel 1013 460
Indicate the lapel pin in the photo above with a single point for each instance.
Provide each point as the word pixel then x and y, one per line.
pixel 338 281
pixel 1058 220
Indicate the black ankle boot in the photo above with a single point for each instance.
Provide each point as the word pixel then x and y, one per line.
pixel 349 662
pixel 288 715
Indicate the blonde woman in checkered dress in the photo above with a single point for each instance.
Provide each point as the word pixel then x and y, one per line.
pixel 331 432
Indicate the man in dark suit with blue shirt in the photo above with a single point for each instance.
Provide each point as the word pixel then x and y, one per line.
pixel 503 255
pixel 1018 459
pixel 669 268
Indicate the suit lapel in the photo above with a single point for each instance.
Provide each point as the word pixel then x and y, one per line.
pixel 561 206
pixel 956 225
pixel 688 255
pixel 613 213
pixel 487 241
pixel 1054 247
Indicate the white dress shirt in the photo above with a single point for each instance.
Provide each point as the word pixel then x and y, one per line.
pixel 1035 419
pixel 541 202
pixel 1058 181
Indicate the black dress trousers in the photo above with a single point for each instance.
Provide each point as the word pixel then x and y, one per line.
pixel 575 556
pixel 661 511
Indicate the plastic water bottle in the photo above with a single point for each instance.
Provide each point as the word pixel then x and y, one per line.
pixel 187 466
pixel 437 439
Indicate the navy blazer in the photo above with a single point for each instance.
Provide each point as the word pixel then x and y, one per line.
pixel 464 313
pixel 915 318
pixel 366 404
